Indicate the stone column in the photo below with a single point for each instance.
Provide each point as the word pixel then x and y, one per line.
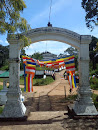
pixel 14 107
pixel 84 104
pixel 3 97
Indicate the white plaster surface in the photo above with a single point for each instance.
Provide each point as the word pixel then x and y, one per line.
pixel 84 105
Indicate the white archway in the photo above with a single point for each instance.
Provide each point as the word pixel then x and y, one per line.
pixel 55 34
pixel 84 105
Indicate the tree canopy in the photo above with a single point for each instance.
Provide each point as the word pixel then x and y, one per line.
pixel 91 9
pixel 10 19
pixel 71 51
pixel 4 55
pixel 37 56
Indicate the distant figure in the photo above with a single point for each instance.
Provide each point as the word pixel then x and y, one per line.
pixel 49 24
pixel 65 75
pixel 44 77
pixel 70 90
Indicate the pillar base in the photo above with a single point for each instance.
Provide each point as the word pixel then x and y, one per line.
pixel 77 115
pixel 3 97
pixel 14 109
pixel 84 109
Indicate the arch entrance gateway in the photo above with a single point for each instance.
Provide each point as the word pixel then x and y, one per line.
pixel 14 108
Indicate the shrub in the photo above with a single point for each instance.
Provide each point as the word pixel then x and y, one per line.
pixel 94 83
pixel 5 67
pixel 39 82
pixel 1 87
pixel 95 100
pixel 94 72
pixel 1 109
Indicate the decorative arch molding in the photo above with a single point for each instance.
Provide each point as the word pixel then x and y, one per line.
pixel 55 34
pixel 84 105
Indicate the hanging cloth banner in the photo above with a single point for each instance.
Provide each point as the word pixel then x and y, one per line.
pixel 67 61
pixel 29 83
pixel 29 72
pixel 72 80
pixel 70 64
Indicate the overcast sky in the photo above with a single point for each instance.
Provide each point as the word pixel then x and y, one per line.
pixel 66 14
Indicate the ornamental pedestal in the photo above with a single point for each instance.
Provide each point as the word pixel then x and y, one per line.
pixel 14 107
pixel 84 104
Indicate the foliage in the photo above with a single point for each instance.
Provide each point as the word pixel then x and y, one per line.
pixel 37 56
pixel 40 82
pixel 91 9
pixel 10 19
pixel 71 97
pixel 1 109
pixel 95 100
pixel 76 62
pixel 4 55
pixel 22 80
pixel 5 67
pixel 22 52
pixel 93 52
pixel 96 49
pixel 22 89
pixel 1 87
pixel 71 51
pixel 94 83
pixel 94 72
pixel 43 68
pixel 93 43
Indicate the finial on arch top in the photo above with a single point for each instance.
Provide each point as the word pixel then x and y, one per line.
pixel 49 24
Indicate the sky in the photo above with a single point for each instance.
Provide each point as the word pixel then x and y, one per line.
pixel 66 14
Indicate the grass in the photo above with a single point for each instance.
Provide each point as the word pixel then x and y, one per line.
pixel 95 100
pixel 1 109
pixel 1 87
pixel 43 68
pixel 1 79
pixel 39 82
pixel 94 83
pixel 4 67
pixel 22 89
pixel 69 98
pixel 22 80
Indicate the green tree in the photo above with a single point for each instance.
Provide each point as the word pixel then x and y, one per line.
pixel 93 51
pixel 10 19
pixel 96 49
pixel 71 51
pixel 37 56
pixel 4 55
pixel 22 52
pixel 91 9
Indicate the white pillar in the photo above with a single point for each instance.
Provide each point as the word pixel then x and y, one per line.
pixel 84 104
pixel 14 107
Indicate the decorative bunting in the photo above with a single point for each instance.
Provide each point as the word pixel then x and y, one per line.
pixel 29 72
